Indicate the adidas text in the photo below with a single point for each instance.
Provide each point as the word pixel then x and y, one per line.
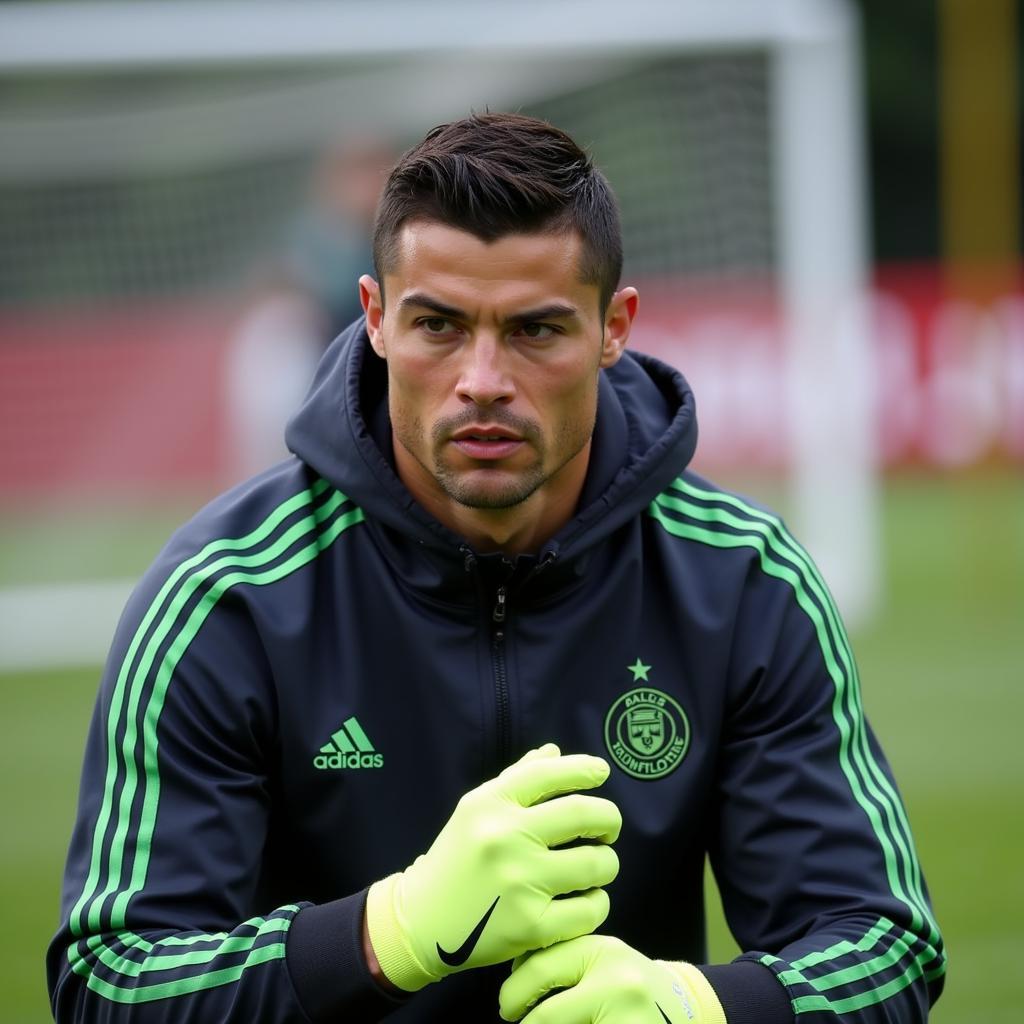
pixel 355 760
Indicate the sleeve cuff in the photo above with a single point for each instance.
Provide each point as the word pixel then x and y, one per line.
pixel 327 967
pixel 749 993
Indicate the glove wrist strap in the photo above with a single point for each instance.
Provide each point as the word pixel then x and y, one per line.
pixel 396 957
pixel 697 993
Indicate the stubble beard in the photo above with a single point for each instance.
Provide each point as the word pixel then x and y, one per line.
pixel 494 488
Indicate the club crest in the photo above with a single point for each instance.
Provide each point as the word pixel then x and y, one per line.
pixel 646 731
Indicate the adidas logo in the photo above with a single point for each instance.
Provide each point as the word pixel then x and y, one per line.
pixel 349 747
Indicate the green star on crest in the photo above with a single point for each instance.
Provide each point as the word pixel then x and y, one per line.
pixel 639 671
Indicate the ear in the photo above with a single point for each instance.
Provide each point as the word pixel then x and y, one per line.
pixel 618 320
pixel 373 307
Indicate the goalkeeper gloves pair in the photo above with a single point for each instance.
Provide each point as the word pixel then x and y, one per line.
pixel 520 866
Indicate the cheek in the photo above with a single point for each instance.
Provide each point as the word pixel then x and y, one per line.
pixel 414 396
pixel 576 406
pixel 415 372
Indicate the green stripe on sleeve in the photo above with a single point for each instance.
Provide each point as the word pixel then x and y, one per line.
pixel 129 968
pixel 261 532
pixel 128 744
pixel 185 986
pixel 768 539
pixel 182 639
pixel 822 1003
pixel 856 972
pixel 164 959
pixel 869 941
pixel 789 575
pixel 875 779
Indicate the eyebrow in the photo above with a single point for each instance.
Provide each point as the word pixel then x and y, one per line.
pixel 552 311
pixel 420 300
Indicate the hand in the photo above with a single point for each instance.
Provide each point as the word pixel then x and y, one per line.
pixel 485 890
pixel 604 981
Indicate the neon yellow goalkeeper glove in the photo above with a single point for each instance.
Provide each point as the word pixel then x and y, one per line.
pixel 485 890
pixel 604 981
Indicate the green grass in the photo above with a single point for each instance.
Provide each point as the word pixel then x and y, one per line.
pixel 105 539
pixel 44 724
pixel 942 671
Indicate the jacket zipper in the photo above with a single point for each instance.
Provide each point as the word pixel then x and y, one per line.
pixel 501 698
pixel 499 614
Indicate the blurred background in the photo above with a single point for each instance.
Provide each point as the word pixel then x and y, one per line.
pixel 822 210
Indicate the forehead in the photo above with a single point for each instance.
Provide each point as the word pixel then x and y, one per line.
pixel 465 271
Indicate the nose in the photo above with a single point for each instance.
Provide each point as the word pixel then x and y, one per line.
pixel 484 377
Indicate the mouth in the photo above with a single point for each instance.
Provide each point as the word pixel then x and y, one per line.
pixel 486 443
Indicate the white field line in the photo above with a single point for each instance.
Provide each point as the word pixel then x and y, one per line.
pixel 56 625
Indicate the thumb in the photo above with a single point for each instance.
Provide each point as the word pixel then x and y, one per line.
pixel 547 750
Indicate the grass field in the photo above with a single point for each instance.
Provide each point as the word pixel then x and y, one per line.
pixel 943 676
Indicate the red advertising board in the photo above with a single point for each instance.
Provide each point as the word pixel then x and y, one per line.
pixel 134 396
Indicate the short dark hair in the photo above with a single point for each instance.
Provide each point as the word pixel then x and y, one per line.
pixel 494 175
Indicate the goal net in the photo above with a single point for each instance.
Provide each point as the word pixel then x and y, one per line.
pixel 166 174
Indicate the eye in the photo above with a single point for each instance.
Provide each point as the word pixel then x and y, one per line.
pixel 436 325
pixel 537 332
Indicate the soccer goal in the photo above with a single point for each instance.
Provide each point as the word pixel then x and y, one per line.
pixel 158 155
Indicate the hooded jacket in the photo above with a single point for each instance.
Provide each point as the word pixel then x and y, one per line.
pixel 315 670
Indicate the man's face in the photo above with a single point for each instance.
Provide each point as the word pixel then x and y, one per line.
pixel 493 353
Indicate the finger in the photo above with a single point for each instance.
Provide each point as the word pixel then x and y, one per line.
pixel 530 782
pixel 547 750
pixel 575 816
pixel 573 1006
pixel 572 916
pixel 579 868
pixel 558 966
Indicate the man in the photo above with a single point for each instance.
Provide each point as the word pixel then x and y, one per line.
pixel 305 794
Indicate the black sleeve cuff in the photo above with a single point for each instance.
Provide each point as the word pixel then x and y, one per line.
pixel 749 993
pixel 327 967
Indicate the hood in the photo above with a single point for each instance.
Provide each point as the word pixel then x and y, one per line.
pixel 645 435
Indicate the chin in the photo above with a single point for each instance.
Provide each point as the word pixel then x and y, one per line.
pixel 493 495
pixel 489 500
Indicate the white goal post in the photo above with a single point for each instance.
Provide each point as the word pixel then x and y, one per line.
pixel 449 57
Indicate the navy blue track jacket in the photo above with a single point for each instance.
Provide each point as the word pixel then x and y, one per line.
pixel 315 670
